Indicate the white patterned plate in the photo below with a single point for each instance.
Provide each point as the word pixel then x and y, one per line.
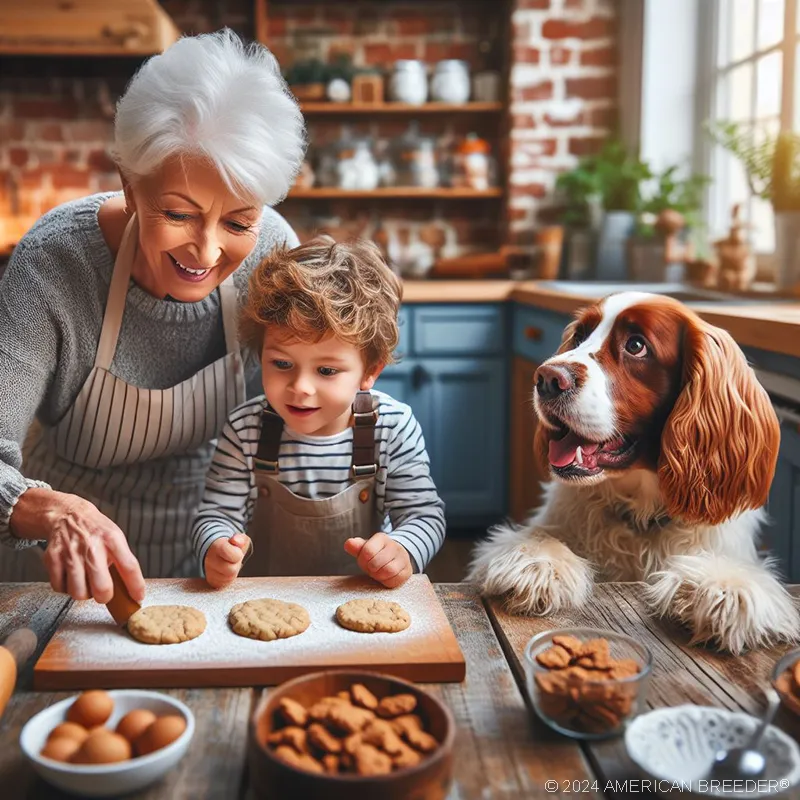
pixel 677 745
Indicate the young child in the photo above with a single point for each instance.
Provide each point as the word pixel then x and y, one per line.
pixel 326 477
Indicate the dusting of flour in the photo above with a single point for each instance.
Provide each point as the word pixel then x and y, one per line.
pixel 89 635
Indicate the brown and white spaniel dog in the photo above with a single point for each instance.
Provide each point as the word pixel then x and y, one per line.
pixel 663 446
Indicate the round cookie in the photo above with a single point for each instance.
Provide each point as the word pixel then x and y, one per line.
pixel 166 624
pixel 373 616
pixel 268 619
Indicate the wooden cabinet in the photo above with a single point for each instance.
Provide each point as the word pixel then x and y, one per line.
pixel 527 473
pixel 454 375
pixel 85 27
pixel 536 335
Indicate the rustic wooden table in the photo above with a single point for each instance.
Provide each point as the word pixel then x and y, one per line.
pixel 501 751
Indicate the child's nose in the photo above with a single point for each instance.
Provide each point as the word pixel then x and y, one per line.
pixel 302 384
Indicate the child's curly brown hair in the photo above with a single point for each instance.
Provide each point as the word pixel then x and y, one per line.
pixel 326 287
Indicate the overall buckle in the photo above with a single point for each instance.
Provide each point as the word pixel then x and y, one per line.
pixel 265 466
pixel 364 470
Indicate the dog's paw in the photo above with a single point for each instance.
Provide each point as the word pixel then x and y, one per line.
pixel 732 605
pixel 539 576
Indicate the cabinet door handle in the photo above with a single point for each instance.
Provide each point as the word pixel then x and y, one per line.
pixel 418 376
pixel 533 333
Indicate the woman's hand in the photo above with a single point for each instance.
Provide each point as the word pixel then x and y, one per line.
pixel 81 543
pixel 382 558
pixel 224 559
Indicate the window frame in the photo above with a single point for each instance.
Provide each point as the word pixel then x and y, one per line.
pixel 710 82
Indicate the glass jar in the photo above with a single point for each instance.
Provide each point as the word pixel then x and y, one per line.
pixel 409 82
pixel 473 166
pixel 450 82
pixel 415 160
pixel 348 163
pixel 357 168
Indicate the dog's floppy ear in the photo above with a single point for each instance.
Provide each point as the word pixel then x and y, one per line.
pixel 720 443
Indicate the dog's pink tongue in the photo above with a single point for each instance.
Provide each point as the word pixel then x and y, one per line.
pixel 562 451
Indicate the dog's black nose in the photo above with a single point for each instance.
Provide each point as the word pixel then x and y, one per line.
pixel 553 380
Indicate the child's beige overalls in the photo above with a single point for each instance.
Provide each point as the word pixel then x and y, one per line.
pixel 295 535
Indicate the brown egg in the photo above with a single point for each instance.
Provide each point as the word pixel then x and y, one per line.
pixel 60 748
pixel 103 747
pixel 69 730
pixel 162 732
pixel 134 723
pixel 91 708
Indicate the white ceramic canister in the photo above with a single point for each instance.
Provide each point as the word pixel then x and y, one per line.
pixel 450 82
pixel 409 82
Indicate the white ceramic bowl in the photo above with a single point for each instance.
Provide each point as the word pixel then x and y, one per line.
pixel 677 746
pixel 104 780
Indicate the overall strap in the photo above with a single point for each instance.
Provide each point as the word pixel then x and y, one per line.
pixel 365 416
pixel 269 443
pixel 117 292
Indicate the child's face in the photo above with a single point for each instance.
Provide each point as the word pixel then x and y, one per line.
pixel 312 385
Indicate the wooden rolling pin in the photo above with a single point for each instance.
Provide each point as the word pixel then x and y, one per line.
pixel 121 606
pixel 16 650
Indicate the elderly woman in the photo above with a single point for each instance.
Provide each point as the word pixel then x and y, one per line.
pixel 118 349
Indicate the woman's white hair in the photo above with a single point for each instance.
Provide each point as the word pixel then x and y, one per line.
pixel 210 95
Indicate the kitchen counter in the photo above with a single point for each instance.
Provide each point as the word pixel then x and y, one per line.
pixel 767 326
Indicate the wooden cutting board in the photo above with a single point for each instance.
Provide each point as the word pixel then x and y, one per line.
pixel 90 651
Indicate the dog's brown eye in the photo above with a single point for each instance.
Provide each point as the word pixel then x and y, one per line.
pixel 636 346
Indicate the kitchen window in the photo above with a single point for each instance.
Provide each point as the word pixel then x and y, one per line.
pixel 752 77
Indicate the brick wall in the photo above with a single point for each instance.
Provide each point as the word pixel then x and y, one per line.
pixel 563 99
pixel 56 113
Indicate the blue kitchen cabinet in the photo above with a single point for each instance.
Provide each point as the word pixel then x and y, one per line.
pixel 399 381
pixel 453 372
pixel 782 536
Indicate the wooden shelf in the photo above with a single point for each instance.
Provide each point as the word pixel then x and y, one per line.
pixel 401 108
pixel 397 192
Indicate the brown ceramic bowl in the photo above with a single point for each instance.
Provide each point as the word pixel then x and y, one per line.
pixel 272 777
pixel 784 683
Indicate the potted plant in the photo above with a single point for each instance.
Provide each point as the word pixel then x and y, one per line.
pixel 620 176
pixel 772 167
pixel 580 190
pixel 308 79
pixel 604 191
pixel 670 214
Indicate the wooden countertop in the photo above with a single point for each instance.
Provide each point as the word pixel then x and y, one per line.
pixel 772 327
pixel 502 748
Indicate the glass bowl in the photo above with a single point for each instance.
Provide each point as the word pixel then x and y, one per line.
pixel 588 690
pixel 786 680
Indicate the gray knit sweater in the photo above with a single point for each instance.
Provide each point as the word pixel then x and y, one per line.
pixel 52 299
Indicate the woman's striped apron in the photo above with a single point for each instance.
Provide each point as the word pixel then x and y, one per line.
pixel 140 455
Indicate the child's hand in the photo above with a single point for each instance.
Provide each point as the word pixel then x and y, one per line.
pixel 382 558
pixel 224 560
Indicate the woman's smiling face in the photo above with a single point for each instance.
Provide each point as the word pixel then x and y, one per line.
pixel 193 231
